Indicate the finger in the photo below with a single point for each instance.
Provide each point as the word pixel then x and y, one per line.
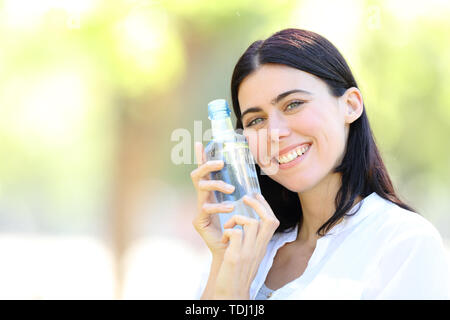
pixel 233 252
pixel 243 221
pixel 215 185
pixel 268 219
pixel 199 154
pixel 250 227
pixel 234 239
pixel 265 203
pixel 213 208
pixel 205 216
pixel 204 169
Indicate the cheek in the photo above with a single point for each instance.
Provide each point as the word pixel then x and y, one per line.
pixel 328 138
pixel 306 124
pixel 327 134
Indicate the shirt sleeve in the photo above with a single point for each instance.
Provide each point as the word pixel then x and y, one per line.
pixel 414 266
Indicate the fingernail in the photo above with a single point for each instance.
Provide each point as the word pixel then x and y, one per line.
pixel 230 187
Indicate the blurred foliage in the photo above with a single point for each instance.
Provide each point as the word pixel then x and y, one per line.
pixel 404 69
pixel 70 71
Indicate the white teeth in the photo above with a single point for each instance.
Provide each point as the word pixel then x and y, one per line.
pixel 293 154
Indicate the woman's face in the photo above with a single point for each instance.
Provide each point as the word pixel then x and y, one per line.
pixel 296 129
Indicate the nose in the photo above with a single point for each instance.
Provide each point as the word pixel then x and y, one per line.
pixel 278 127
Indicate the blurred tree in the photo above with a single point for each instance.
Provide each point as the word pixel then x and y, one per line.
pixel 404 69
pixel 90 92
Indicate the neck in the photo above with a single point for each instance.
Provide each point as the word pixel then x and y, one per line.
pixel 318 205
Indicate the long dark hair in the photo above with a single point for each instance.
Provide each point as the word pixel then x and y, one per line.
pixel 362 169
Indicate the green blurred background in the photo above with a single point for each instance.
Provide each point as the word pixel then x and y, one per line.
pixel 91 205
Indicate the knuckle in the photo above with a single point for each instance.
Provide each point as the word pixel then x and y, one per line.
pixel 212 164
pixel 253 222
pixel 206 208
pixel 234 234
pixel 201 184
pixel 204 185
pixel 245 258
pixel 272 222
pixel 275 222
pixel 196 225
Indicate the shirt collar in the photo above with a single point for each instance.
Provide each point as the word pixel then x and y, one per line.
pixel 357 213
pixel 354 216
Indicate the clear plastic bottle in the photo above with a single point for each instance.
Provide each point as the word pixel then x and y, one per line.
pixel 239 165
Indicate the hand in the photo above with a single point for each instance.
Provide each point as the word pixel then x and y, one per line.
pixel 206 222
pixel 245 250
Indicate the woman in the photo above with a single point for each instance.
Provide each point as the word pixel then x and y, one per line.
pixel 332 226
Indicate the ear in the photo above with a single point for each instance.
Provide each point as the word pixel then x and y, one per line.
pixel 353 104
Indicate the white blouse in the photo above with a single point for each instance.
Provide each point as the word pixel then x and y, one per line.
pixel 381 252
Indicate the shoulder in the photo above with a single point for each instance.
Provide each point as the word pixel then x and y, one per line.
pixel 400 223
pixel 411 261
pixel 407 239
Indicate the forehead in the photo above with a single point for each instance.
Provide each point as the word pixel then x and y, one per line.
pixel 269 80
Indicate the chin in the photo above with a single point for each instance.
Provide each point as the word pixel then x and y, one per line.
pixel 300 187
pixel 297 184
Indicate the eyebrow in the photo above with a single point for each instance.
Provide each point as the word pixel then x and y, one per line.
pixel 280 97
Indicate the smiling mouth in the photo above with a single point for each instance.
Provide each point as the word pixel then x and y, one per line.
pixel 293 154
